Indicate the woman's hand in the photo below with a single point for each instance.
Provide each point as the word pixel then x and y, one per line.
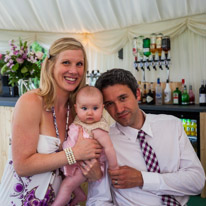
pixel 91 169
pixel 86 148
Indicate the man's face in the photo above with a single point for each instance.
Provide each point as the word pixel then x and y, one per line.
pixel 122 105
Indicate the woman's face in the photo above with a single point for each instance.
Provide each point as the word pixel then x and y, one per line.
pixel 69 70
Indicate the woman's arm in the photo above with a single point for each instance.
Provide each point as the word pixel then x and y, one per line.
pixel 25 136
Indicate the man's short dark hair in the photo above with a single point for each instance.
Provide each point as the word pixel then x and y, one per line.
pixel 117 76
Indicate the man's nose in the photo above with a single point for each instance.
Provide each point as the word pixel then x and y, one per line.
pixel 119 108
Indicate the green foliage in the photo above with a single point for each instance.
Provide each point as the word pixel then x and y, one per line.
pixel 20 63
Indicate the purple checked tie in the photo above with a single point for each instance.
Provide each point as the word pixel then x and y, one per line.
pixel 153 166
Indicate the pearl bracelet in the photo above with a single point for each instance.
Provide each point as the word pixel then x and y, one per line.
pixel 70 156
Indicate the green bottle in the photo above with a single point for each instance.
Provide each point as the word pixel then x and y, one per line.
pixel 185 96
pixel 177 96
pixel 146 47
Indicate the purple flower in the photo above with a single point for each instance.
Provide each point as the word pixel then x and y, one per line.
pixel 24 56
pixel 20 60
pixel 11 66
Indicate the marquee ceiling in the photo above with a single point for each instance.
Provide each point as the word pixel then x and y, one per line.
pixel 89 16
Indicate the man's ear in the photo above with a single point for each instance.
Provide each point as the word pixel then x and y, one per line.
pixel 138 93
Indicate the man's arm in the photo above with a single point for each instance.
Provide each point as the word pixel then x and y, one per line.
pixel 188 179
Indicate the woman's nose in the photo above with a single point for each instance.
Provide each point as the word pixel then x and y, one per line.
pixel 73 69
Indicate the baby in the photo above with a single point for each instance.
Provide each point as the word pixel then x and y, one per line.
pixel 89 108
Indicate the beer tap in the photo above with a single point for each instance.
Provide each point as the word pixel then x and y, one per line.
pixel 153 50
pixel 146 52
pixel 136 64
pixel 135 53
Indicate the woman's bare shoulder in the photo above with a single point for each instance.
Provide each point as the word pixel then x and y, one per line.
pixel 29 102
pixel 30 98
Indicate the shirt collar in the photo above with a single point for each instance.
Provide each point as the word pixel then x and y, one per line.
pixel 131 133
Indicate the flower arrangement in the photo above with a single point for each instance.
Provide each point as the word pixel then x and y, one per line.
pixel 20 63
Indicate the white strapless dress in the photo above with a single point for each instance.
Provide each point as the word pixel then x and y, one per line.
pixel 38 190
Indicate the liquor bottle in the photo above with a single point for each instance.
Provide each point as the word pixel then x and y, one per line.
pixel 153 91
pixel 166 45
pixel 140 46
pixel 185 96
pixel 158 95
pixel 202 94
pixel 139 98
pixel 144 94
pixel 134 49
pixel 182 85
pixel 153 45
pixel 167 93
pixel 159 44
pixel 146 47
pixel 150 97
pixel 177 96
pixel 191 95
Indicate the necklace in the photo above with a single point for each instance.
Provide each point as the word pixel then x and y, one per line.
pixel 55 122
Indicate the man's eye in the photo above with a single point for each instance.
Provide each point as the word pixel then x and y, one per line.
pixel 122 98
pixel 84 108
pixel 108 104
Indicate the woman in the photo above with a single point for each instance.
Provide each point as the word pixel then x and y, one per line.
pixel 39 127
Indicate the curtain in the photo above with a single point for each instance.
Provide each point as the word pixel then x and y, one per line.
pixel 188 47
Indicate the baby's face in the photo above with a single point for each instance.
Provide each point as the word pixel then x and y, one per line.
pixel 89 109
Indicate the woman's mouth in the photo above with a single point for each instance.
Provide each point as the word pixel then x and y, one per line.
pixel 70 79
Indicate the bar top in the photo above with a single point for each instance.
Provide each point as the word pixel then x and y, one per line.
pixel 174 108
pixel 11 101
pixel 8 101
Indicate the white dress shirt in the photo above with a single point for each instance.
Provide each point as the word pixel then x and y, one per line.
pixel 181 171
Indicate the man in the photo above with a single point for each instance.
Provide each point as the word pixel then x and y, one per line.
pixel 178 172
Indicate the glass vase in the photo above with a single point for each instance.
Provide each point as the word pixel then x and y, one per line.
pixel 24 85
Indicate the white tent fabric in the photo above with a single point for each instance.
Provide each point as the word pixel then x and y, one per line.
pixel 105 26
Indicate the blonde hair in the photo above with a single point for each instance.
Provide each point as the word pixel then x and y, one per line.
pixel 47 81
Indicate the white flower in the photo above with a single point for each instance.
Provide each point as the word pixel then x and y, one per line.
pixel 39 55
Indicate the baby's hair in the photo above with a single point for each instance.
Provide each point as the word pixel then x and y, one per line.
pixel 89 91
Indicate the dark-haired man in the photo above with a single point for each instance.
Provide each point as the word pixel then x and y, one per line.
pixel 158 164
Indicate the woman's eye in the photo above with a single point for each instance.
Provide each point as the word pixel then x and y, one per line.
pixel 66 62
pixel 80 64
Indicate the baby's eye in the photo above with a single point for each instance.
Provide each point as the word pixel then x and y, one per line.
pixel 95 108
pixel 84 108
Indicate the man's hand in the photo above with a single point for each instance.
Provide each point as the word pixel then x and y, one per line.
pixel 126 177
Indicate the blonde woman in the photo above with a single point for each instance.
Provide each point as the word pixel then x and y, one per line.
pixel 39 127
